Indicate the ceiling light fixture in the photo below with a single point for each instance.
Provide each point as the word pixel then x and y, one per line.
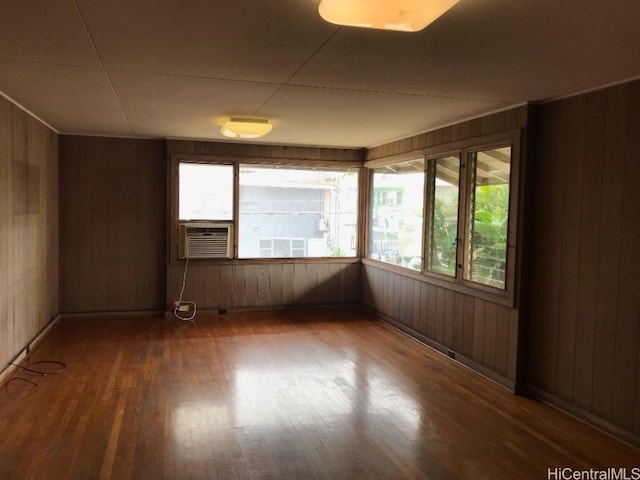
pixel 401 15
pixel 238 127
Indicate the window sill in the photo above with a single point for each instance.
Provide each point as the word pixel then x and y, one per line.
pixel 500 297
pixel 263 261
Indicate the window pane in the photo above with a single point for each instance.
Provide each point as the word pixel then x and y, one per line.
pixel 443 215
pixel 397 198
pixel 282 247
pixel 488 218
pixel 304 212
pixel 205 191
pixel 265 248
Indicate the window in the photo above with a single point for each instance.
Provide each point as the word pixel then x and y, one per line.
pixel 488 219
pixel 282 247
pixel 442 235
pixel 276 211
pixel 468 193
pixel 395 227
pixel 287 212
pixel 205 191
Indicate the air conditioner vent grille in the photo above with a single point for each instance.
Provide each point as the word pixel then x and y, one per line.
pixel 204 240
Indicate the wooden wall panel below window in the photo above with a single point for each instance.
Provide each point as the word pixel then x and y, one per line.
pixel 241 286
pixel 482 331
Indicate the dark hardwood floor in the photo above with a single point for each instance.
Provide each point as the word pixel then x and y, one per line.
pixel 281 395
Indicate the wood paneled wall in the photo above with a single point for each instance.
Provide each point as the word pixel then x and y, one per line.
pixel 584 328
pixel 29 257
pixel 248 284
pixel 114 224
pixel 241 286
pixel 480 332
pixel 478 127
pixel 114 210
pixel 252 151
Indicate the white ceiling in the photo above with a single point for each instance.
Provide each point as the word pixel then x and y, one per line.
pixel 177 68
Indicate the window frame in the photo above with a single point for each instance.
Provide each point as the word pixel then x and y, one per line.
pixel 464 149
pixel 173 199
pixel 291 248
pixel 233 199
pixel 318 167
pixel 367 232
pixel 464 242
pixel 429 190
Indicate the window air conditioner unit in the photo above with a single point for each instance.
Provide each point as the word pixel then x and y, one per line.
pixel 205 240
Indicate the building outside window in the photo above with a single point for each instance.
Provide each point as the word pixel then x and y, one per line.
pixel 396 217
pixel 282 212
pixel 287 212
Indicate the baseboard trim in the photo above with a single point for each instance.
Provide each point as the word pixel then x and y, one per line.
pixel 9 370
pixel 270 308
pixel 127 313
pixel 581 414
pixel 467 362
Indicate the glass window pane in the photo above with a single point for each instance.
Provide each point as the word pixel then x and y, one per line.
pixel 305 212
pixel 488 217
pixel 443 215
pixel 265 248
pixel 205 191
pixel 282 247
pixel 395 227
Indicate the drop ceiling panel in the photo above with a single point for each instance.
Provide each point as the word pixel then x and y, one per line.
pixel 262 41
pixel 72 99
pixel 180 106
pixel 352 119
pixel 504 50
pixel 171 68
pixel 44 31
pixel 431 113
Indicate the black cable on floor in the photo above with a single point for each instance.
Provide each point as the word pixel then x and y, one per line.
pixel 33 371
pixel 30 369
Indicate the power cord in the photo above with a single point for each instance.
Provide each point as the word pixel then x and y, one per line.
pixel 178 306
pixel 30 370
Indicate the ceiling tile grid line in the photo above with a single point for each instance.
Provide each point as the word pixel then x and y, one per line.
pixel 174 69
pixel 99 57
pixel 287 82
